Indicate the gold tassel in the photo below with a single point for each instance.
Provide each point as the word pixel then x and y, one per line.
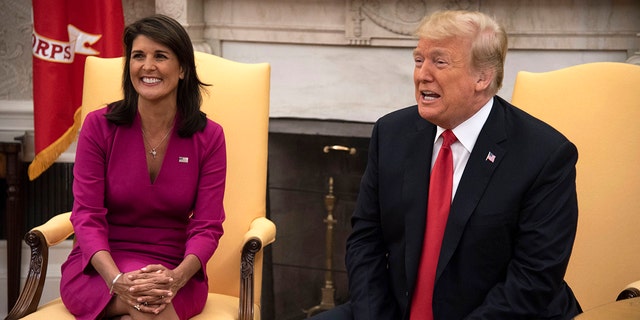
pixel 45 158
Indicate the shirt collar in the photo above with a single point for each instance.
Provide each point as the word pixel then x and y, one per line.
pixel 468 131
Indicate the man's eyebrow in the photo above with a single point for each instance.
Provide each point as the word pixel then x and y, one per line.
pixel 430 52
pixel 437 52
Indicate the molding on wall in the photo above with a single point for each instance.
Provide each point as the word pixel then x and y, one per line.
pixel 190 13
pixel 16 115
pixel 562 25
pixel 16 118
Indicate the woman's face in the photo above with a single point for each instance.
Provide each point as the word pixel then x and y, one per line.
pixel 155 71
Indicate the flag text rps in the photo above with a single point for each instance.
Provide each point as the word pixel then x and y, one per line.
pixel 64 52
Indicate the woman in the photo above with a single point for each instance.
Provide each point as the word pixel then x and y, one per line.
pixel 148 185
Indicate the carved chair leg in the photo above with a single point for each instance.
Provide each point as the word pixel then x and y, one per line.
pixel 251 248
pixel 32 292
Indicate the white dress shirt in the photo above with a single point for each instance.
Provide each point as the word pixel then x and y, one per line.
pixel 467 134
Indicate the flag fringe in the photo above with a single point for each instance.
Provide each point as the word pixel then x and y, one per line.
pixel 45 158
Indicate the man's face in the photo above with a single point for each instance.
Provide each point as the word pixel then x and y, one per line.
pixel 448 90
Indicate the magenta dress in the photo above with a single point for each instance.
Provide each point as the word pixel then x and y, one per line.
pixel 117 208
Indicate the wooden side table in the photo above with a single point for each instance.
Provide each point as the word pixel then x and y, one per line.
pixel 11 147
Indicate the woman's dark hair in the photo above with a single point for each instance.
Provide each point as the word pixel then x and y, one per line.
pixel 170 33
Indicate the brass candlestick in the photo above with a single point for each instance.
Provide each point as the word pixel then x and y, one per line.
pixel 328 291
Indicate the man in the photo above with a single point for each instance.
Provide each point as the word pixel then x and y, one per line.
pixel 507 236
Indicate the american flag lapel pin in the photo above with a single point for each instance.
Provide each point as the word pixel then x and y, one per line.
pixel 183 159
pixel 490 157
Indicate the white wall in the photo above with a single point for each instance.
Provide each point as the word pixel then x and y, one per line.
pixel 364 83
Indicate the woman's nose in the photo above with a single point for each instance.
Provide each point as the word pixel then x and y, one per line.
pixel 148 65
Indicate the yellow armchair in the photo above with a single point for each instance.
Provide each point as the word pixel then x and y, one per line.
pixel 238 99
pixel 597 106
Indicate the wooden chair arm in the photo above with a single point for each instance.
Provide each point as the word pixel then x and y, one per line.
pixel 39 239
pixel 631 291
pixel 261 233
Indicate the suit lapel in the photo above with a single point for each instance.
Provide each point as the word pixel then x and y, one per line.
pixel 474 181
pixel 415 191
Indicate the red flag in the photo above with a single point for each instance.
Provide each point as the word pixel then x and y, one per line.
pixel 65 32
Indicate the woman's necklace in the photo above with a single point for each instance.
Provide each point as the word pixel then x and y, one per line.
pixel 153 151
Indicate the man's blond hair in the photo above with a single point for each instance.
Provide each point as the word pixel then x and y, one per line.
pixel 488 38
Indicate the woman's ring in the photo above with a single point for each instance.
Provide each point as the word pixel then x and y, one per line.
pixel 145 303
pixel 137 307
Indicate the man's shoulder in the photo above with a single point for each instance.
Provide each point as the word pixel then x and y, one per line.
pixel 409 113
pixel 521 124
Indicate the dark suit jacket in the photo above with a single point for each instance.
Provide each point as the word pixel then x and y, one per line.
pixel 509 234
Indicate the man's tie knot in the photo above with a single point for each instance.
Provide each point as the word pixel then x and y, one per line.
pixel 448 138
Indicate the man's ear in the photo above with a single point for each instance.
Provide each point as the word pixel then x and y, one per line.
pixel 485 77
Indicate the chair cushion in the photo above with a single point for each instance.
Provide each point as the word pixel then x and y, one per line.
pixel 52 310
pixel 225 307
pixel 219 307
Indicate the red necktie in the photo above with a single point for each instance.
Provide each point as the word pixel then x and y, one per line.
pixel 438 207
